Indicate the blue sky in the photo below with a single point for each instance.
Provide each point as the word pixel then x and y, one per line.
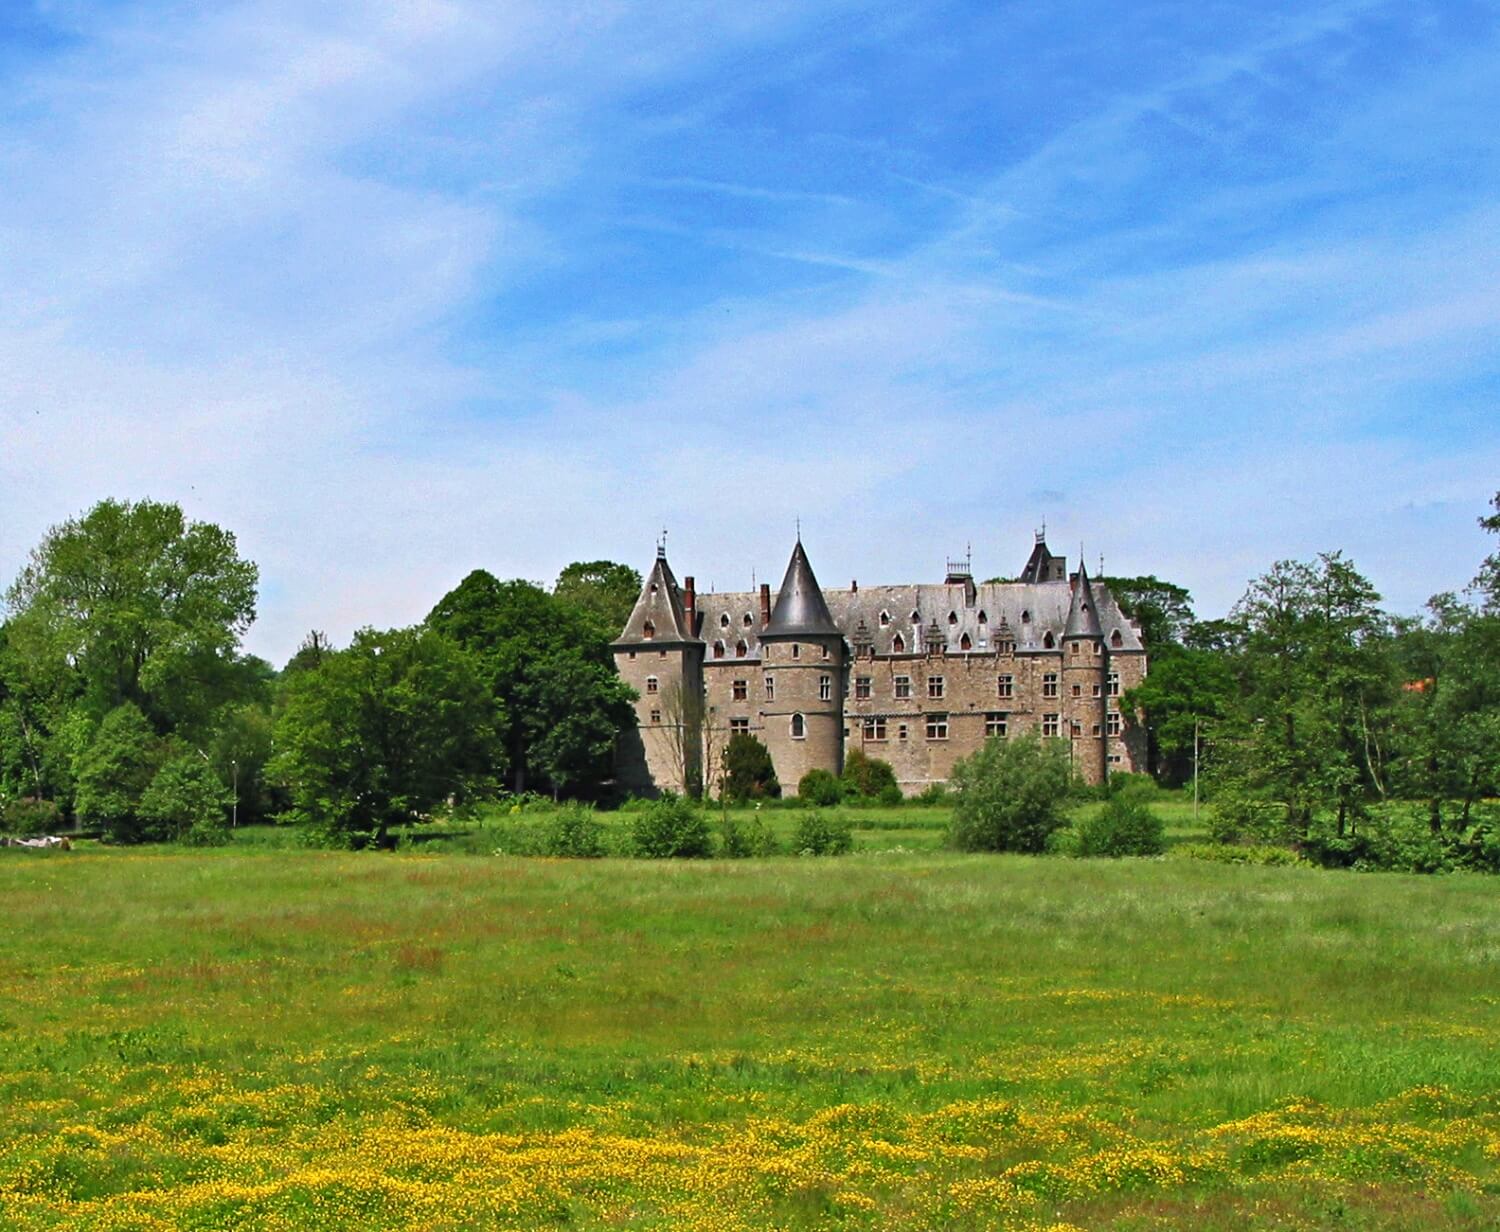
pixel 401 288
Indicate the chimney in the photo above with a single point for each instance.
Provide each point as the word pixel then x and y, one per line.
pixel 689 605
pixel 765 604
pixel 854 587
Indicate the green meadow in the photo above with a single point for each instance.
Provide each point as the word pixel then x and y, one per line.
pixel 265 1037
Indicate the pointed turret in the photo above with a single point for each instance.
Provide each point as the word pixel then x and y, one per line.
pixel 1083 614
pixel 1041 565
pixel 801 610
pixel 658 615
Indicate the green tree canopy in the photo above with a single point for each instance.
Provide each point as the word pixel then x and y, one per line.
pixel 748 773
pixel 1009 795
pixel 602 589
pixel 114 771
pixel 384 731
pixel 1163 610
pixel 548 666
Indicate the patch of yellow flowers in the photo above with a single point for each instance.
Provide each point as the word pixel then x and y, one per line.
pixel 286 1157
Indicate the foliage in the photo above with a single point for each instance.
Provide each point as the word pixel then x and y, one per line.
pixel 560 704
pixel 820 787
pixel 671 828
pixel 1124 826
pixel 1181 696
pixel 144 606
pixel 748 772
pixel 745 835
pixel 1163 610
pixel 573 832
pixel 601 589
pixel 870 777
pixel 114 772
pixel 823 832
pixel 29 815
pixel 1238 853
pixel 934 794
pixel 382 732
pixel 186 802
pixel 1009 795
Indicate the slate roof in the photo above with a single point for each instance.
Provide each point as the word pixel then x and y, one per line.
pixel 800 609
pixel 1083 611
pixel 661 605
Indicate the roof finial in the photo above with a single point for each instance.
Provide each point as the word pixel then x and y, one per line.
pixel 799 529
pixel 1101 564
pixel 1082 567
pixel 661 545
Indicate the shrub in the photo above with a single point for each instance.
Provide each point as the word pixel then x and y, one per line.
pixel 748 772
pixel 1138 786
pixel 933 793
pixel 1238 815
pixel 1229 853
pixel 186 801
pixel 573 832
pixel 821 832
pixel 742 836
pixel 868 776
pixel 671 828
pixel 1123 827
pixel 820 787
pixel 31 815
pixel 1009 795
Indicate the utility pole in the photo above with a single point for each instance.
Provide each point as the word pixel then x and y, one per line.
pixel 1195 773
pixel 234 817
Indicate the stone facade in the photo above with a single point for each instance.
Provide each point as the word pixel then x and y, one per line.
pixel 918 676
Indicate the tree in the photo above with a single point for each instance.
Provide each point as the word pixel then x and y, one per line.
pixel 870 777
pixel 113 773
pixel 1009 796
pixel 550 672
pixel 748 772
pixel 381 733
pixel 185 800
pixel 1163 610
pixel 144 606
pixel 1180 697
pixel 1487 582
pixel 601 589
pixel 820 787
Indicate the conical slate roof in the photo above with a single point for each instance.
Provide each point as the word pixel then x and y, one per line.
pixel 1083 613
pixel 800 608
pixel 660 607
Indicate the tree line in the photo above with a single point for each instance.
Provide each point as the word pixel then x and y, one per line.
pixel 128 706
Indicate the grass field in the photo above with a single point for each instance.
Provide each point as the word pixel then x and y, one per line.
pixel 284 1039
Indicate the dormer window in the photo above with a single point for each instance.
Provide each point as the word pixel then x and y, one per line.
pixel 964 643
pixel 983 619
pixel 1116 640
pixel 885 619
pixel 1049 641
pixel 718 650
pixel 741 649
pixel 747 622
pixel 724 621
pixel 952 618
pixel 1026 618
pixel 648 630
pixel 898 644
pixel 916 617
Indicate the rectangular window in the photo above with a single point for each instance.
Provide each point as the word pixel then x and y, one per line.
pixel 656 716
pixel 1006 686
pixel 796 651
pixel 825 688
pixel 1049 725
pixel 631 654
pixel 1077 690
pixel 996 724
pixel 934 686
pixel 770 688
pixel 738 725
pixel 1114 684
pixel 1094 731
pixel 903 686
pixel 741 690
pixel 862 688
pixel 1097 690
pixel 1049 684
pixel 901 732
pixel 875 729
pixel 650 684
pixel 825 650
pixel 1112 724
pixel 937 727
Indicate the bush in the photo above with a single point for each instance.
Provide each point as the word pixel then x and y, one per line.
pixel 186 802
pixel 821 832
pixel 573 832
pixel 933 793
pixel 748 772
pixel 671 828
pixel 1009 795
pixel 820 787
pixel 1229 853
pixel 1137 786
pixel 1238 815
pixel 868 776
pixel 1123 827
pixel 30 815
pixel 742 836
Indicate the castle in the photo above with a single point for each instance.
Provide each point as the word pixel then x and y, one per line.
pixel 918 676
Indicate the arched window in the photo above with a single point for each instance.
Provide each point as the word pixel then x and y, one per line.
pixel 740 649
pixel 898 644
pixel 648 630
pixel 799 727
pixel 718 650
pixel 747 622
pixel 885 619
pixel 983 619
pixel 1026 618
pixel 1049 641
pixel 1116 640
pixel 724 621
pixel 916 617
pixel 952 618
pixel 964 643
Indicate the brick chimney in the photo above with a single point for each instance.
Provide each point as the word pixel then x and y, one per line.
pixel 689 606
pixel 765 604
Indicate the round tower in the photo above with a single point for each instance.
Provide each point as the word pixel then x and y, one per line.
pixel 802 653
pixel 1084 673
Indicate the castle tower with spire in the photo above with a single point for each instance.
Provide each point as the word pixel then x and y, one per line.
pixel 802 661
pixel 916 675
